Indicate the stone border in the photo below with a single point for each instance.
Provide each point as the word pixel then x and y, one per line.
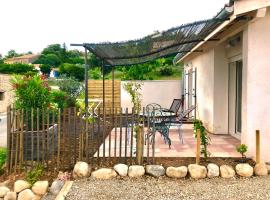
pixel 83 170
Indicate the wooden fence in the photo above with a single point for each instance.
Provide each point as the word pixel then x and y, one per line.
pixel 58 139
pixel 112 92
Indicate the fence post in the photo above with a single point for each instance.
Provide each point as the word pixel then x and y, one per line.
pixel 8 138
pixel 139 146
pixel 198 149
pixel 258 156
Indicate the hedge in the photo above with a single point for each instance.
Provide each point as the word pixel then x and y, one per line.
pixel 17 68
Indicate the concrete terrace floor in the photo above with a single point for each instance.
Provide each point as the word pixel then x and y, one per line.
pixel 221 145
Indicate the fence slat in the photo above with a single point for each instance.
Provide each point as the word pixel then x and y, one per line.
pixel 32 137
pixel 115 130
pixel 43 136
pixel 131 136
pixel 21 138
pixel 8 138
pixel 126 132
pixel 59 138
pixel 75 135
pixel 120 126
pixel 37 118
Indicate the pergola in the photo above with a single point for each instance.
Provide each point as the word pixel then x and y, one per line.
pixel 176 41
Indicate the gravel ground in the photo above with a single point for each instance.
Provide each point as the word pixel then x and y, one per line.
pixel 164 188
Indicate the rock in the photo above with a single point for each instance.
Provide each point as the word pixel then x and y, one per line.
pixel 136 171
pixel 40 187
pixel 155 170
pixel 5 183
pixel 81 170
pixel 121 169
pixel 11 196
pixel 36 197
pixel 260 169
pixel 3 191
pixel 244 169
pixel 226 171
pixel 197 171
pixel 104 173
pixel 27 194
pixel 21 185
pixel 177 172
pixel 212 170
pixel 56 187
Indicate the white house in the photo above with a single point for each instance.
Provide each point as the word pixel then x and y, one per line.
pixel 230 80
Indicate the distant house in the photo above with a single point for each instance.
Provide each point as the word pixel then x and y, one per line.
pixel 26 59
pixel 227 75
pixel 6 94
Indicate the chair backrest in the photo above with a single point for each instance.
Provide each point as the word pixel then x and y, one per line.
pixel 176 104
pixel 186 112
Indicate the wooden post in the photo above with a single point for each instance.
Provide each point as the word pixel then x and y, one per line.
pixel 258 157
pixel 198 151
pixel 8 138
pixel 58 139
pixel 139 146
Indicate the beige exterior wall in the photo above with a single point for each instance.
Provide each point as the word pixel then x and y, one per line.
pixel 212 84
pixel 161 92
pixel 8 94
pixel 257 93
pixel 220 90
pixel 205 87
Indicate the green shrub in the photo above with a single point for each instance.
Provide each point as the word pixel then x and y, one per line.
pixel 242 148
pixel 35 174
pixel 45 69
pixel 74 70
pixel 3 157
pixel 166 71
pixel 31 92
pixel 59 98
pixel 71 87
pixel 17 68
pixel 95 73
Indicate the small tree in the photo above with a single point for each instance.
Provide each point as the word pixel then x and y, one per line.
pixel 242 149
pixel 45 69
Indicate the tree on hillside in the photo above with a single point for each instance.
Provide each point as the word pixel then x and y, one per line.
pixel 49 59
pixel 12 53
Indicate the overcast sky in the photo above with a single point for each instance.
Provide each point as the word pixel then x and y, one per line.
pixel 31 25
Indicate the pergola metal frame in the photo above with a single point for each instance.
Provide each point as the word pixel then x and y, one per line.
pixel 116 54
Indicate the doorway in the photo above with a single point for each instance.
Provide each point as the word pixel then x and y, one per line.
pixel 235 98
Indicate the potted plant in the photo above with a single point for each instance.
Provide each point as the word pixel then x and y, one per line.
pixel 242 149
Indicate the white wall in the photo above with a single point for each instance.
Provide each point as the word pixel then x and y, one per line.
pixel 220 91
pixel 205 86
pixel 162 92
pixel 257 54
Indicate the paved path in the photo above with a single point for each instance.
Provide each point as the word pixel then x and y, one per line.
pixel 255 188
pixel 3 130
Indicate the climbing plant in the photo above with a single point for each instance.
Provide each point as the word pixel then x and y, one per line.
pixel 205 138
pixel 133 89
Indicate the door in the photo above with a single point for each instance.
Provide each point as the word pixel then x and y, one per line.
pixel 235 98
